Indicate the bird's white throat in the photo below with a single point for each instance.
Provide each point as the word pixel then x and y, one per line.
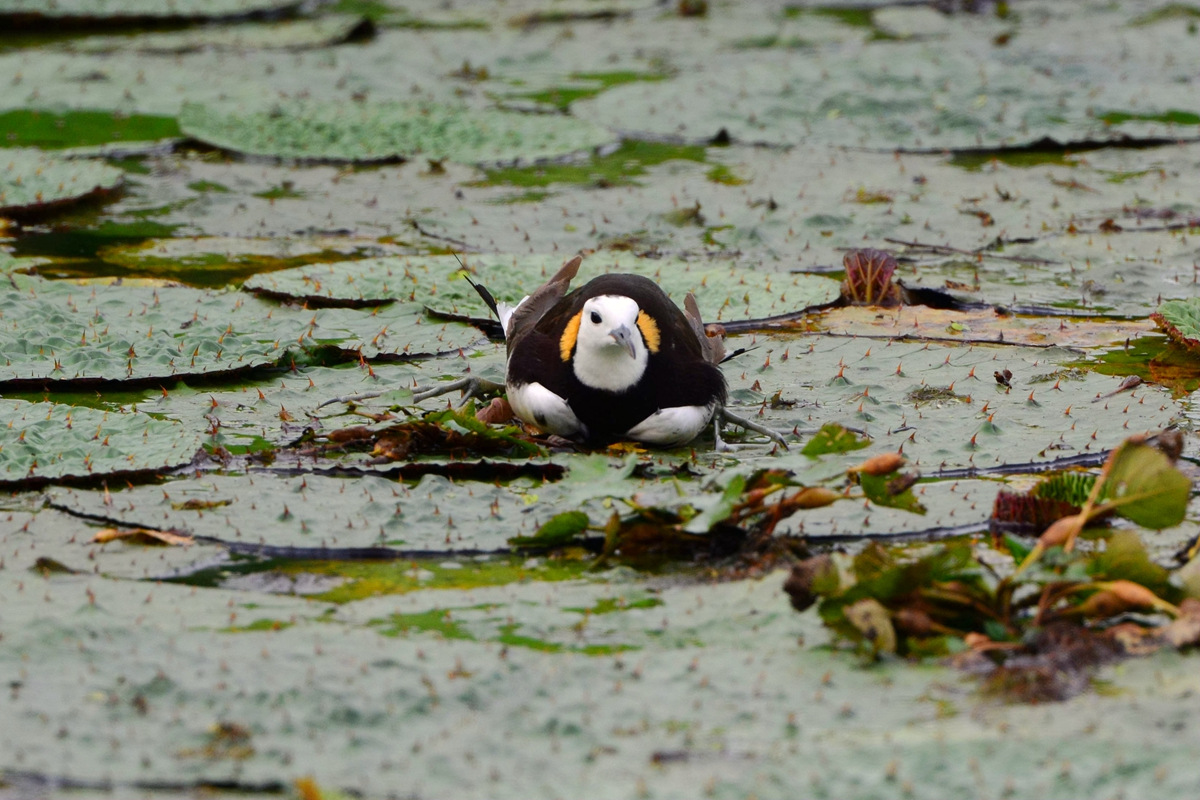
pixel 602 360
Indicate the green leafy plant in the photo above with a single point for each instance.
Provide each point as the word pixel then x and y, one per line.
pixel 958 596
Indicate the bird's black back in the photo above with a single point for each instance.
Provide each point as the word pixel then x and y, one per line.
pixel 677 375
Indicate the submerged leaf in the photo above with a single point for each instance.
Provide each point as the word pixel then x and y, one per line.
pixel 555 532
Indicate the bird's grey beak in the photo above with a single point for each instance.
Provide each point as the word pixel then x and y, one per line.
pixel 624 337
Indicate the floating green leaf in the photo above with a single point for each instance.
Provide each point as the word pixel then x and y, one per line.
pixel 289 35
pixel 308 513
pixel 873 386
pixel 718 507
pixel 51 129
pixel 723 291
pixel 387 131
pixel 220 260
pixel 558 530
pixel 948 93
pixel 833 438
pixel 112 333
pixel 31 181
pixel 140 10
pixel 1180 320
pixel 51 441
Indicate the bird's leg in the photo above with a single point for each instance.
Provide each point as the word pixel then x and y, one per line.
pixel 470 386
pixel 718 443
pixel 353 398
pixel 725 415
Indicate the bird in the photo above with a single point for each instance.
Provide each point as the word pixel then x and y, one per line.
pixel 614 360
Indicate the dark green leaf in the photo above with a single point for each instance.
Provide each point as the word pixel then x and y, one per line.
pixel 1143 486
pixel 556 531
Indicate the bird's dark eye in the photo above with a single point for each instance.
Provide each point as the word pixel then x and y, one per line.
pixel 595 318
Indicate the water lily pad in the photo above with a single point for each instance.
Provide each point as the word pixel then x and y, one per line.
pixel 949 94
pixel 522 678
pixel 724 292
pixel 31 181
pixel 219 260
pixel 138 10
pixel 386 131
pixel 260 415
pixel 1180 319
pixel 979 326
pixel 940 404
pixel 290 35
pixel 52 441
pixel 1124 273
pixel 118 333
pixel 313 511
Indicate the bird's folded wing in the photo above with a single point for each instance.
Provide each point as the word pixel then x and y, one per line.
pixel 713 347
pixel 535 306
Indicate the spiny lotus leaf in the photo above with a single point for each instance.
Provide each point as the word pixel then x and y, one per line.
pixel 393 331
pixel 983 325
pixel 1180 319
pixel 117 333
pixel 724 292
pixel 179 672
pixel 948 93
pixel 10 263
pixel 949 504
pixel 140 9
pixel 51 441
pixel 315 511
pixel 793 232
pixel 1121 273
pixel 387 131
pixel 262 414
pixel 206 259
pixel 131 82
pixel 940 404
pixel 120 333
pixel 33 181
pixel 289 35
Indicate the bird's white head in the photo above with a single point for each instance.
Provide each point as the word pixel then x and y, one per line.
pixel 610 351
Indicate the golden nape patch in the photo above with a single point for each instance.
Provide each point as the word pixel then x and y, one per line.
pixel 649 329
pixel 570 335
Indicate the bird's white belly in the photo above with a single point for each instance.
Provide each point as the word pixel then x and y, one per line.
pixel 669 427
pixel 539 406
